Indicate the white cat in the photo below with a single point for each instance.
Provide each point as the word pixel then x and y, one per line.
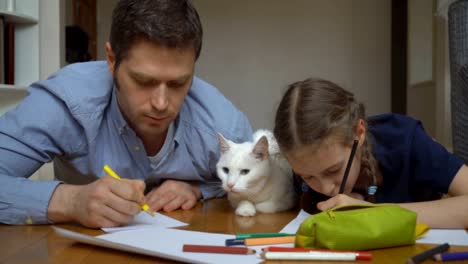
pixel 255 175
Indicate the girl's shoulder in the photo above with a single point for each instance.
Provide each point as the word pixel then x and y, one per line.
pixel 391 136
pixel 392 122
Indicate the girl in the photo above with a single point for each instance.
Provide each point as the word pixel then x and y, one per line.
pixel 316 124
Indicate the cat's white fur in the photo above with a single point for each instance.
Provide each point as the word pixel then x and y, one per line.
pixel 255 175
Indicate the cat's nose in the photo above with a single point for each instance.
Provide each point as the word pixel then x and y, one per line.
pixel 230 185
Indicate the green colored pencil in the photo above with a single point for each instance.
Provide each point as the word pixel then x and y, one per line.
pixel 259 235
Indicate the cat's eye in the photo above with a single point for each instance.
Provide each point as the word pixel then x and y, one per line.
pixel 244 172
pixel 226 170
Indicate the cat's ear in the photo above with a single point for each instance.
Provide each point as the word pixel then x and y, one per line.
pixel 260 149
pixel 223 143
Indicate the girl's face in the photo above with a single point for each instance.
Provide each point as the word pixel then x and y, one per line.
pixel 323 166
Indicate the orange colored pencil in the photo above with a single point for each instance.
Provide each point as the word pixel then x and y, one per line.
pixel 269 240
pixel 218 249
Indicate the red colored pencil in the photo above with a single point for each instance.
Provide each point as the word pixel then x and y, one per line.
pixel 217 249
pixel 360 255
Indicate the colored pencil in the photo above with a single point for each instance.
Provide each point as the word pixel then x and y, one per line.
pixel 114 175
pixel 258 235
pixel 360 255
pixel 217 249
pixel 428 254
pixel 269 240
pixel 309 256
pixel 348 166
pixel 235 242
pixel 451 256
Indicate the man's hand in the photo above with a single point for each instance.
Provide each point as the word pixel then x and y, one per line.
pixel 171 195
pixel 341 199
pixel 106 202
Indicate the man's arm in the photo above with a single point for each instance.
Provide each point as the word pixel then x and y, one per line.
pixel 30 135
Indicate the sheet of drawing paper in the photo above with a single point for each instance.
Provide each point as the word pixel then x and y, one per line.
pixel 292 226
pixel 168 243
pixel 144 220
pixel 457 237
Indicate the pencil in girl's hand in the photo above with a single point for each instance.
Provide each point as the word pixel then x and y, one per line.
pixel 218 249
pixel 114 175
pixel 348 166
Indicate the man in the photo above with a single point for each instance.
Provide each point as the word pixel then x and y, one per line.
pixel 143 113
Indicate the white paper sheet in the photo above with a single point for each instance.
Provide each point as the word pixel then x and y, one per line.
pixel 167 243
pixel 457 237
pixel 144 220
pixel 292 226
pixel 434 236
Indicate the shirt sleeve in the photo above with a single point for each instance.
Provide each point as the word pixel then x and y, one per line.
pixel 30 135
pixel 211 190
pixel 432 164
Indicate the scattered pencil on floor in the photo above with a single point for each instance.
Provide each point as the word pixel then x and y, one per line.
pixel 218 249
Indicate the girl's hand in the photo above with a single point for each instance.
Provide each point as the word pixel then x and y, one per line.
pixel 341 199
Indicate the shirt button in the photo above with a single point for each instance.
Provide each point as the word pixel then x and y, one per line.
pixel 136 148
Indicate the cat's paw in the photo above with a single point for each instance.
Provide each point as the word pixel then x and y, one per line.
pixel 245 209
pixel 267 207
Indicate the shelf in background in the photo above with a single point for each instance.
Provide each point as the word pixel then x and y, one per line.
pixel 9 87
pixel 19 18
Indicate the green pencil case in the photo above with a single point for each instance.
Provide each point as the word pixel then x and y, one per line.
pixel 360 227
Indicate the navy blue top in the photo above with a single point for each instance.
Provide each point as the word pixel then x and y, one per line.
pixel 414 166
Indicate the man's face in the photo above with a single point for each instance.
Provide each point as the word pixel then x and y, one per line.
pixel 152 82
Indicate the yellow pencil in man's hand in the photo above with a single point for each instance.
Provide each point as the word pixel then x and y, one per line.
pixel 114 175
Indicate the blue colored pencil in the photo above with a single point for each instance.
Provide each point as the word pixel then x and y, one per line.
pixel 234 242
pixel 451 256
pixel 428 254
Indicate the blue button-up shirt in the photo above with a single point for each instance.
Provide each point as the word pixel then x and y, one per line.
pixel 73 118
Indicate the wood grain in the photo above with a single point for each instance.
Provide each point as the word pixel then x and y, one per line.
pixel 39 244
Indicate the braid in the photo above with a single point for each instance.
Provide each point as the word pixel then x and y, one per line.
pixel 368 164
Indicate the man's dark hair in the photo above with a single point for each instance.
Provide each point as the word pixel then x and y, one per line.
pixel 170 23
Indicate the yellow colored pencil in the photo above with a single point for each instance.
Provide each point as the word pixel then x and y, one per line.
pixel 114 175
pixel 269 240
